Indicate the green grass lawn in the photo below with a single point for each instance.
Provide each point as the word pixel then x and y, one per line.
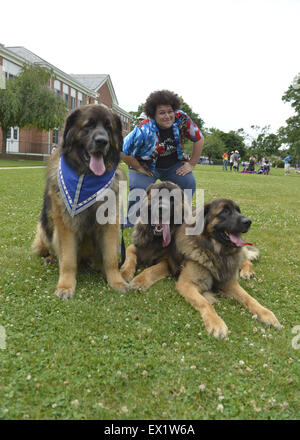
pixel 21 163
pixel 106 355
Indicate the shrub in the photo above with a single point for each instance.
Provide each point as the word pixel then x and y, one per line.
pixel 278 164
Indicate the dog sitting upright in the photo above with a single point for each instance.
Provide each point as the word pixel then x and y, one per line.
pixel 151 237
pixel 83 168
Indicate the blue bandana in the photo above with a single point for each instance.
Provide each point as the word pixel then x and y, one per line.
pixel 80 192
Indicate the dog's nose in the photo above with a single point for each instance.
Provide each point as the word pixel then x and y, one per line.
pixel 100 140
pixel 246 222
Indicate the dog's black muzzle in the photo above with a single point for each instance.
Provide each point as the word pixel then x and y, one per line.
pixel 99 144
pixel 245 224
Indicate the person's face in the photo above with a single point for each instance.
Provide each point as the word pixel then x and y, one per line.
pixel 164 116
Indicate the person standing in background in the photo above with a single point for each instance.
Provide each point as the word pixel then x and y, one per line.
pixel 231 160
pixel 287 165
pixel 225 161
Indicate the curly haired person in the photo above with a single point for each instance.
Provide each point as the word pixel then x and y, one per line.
pixel 154 149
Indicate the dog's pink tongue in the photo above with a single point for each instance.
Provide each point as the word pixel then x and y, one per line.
pixel 166 235
pixel 236 240
pixel 97 165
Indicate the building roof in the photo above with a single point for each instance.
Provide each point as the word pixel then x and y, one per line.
pixel 27 55
pixel 92 81
pixel 95 81
pixel 30 57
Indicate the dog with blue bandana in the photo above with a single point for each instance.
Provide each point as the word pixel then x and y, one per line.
pixel 79 174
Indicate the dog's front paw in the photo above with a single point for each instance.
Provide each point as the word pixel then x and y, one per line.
pixel 119 285
pixel 246 270
pixel 64 293
pixel 216 326
pixel 127 272
pixel 247 274
pixel 268 317
pixel 139 283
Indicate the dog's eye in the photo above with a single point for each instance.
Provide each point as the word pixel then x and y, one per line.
pixel 226 210
pixel 108 125
pixel 89 124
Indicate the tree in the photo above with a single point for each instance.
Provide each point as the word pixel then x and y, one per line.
pixel 290 134
pixel 265 143
pixel 214 146
pixel 233 140
pixel 292 95
pixel 136 114
pixel 28 102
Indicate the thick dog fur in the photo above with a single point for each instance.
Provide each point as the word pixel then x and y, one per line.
pixel 148 246
pixel 212 260
pixel 90 131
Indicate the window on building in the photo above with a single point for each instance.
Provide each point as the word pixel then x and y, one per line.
pixel 124 120
pixel 66 93
pixel 56 87
pixel 73 102
pixel 57 84
pixel 73 98
pixel 80 99
pixel 9 75
pixel 11 69
pixel 66 98
pixel 55 136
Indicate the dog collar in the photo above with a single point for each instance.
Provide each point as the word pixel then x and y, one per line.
pixel 79 192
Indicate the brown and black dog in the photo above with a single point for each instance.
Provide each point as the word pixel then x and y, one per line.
pixel 212 260
pixel 152 238
pixel 68 228
pixel 153 243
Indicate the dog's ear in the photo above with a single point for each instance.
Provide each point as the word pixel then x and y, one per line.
pixel 206 208
pixel 119 131
pixel 68 131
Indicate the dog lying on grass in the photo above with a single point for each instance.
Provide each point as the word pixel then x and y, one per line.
pixel 213 259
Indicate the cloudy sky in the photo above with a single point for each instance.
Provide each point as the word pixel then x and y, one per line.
pixel 230 60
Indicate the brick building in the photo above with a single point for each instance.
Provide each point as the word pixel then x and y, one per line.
pixel 75 90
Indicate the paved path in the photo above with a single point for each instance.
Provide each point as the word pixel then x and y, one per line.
pixel 22 168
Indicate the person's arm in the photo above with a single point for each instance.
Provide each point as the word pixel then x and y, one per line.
pixel 131 141
pixel 131 161
pixel 188 166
